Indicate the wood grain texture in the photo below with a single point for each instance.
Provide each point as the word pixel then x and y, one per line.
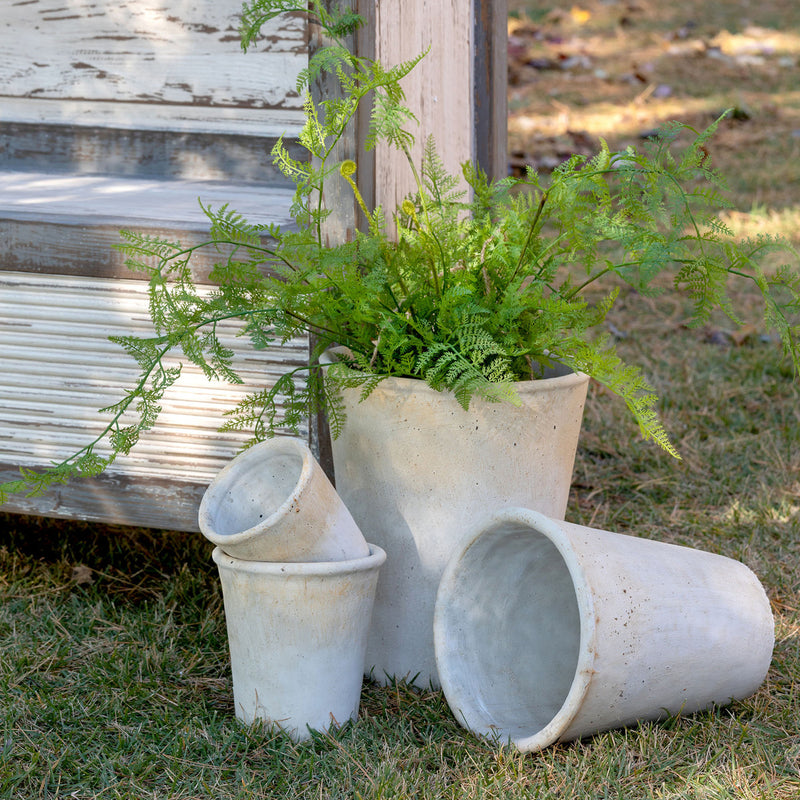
pixel 338 197
pixel 490 70
pixel 145 116
pixel 115 201
pixel 182 58
pixel 82 249
pixel 166 155
pixel 439 90
pixel 115 498
pixel 67 224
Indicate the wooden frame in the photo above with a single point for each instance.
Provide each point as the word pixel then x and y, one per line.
pixel 63 238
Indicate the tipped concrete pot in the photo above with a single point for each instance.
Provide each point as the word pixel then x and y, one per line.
pixel 297 634
pixel 418 472
pixel 548 631
pixel 273 502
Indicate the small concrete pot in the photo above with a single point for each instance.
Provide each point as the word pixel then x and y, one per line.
pixel 297 633
pixel 273 502
pixel 547 631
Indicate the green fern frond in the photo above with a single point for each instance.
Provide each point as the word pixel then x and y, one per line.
pixel 330 59
pixel 388 123
pixel 228 225
pixel 34 482
pixel 295 170
pixel 599 359
pixel 148 254
pixel 256 12
pixel 442 187
pixel 444 367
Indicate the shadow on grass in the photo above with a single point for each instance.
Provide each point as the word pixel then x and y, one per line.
pixel 129 563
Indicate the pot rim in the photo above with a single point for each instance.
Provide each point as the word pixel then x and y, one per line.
pixel 287 569
pixel 539 385
pixel 219 484
pixel 458 696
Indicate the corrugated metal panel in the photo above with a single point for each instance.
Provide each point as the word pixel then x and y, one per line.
pixel 58 368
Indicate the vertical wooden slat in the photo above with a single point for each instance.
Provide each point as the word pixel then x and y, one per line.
pixel 490 112
pixel 338 198
pixel 439 90
pixel 458 91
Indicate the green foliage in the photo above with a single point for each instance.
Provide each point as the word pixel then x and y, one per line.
pixel 473 286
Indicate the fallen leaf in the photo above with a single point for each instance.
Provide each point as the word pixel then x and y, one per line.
pixel 741 335
pixel 82 575
pixel 580 15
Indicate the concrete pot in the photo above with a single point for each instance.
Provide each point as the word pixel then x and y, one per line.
pixel 273 502
pixel 418 472
pixel 548 631
pixel 297 634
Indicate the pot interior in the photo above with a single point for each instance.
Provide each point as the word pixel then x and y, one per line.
pixel 255 490
pixel 509 632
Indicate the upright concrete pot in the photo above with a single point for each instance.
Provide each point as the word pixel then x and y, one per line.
pixel 273 502
pixel 418 472
pixel 548 631
pixel 297 634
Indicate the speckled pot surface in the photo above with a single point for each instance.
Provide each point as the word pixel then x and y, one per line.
pixel 297 634
pixel 418 472
pixel 273 502
pixel 548 631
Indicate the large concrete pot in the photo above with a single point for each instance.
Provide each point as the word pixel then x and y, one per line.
pixel 297 634
pixel 548 631
pixel 418 472
pixel 273 502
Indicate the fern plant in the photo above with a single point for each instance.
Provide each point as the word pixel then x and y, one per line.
pixel 470 291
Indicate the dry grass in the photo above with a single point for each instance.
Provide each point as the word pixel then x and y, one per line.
pixel 618 70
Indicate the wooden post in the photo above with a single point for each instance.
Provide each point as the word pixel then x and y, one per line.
pixel 490 83
pixel 458 91
pixel 338 227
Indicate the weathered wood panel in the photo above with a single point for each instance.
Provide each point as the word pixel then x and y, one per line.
pixel 116 499
pixel 166 155
pixel 110 200
pixel 59 368
pixel 153 69
pixel 145 63
pixel 67 224
pixel 143 116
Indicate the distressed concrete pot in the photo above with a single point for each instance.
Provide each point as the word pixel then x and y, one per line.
pixel 273 502
pixel 297 634
pixel 418 472
pixel 548 631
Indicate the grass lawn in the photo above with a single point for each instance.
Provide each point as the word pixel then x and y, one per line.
pixel 114 673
